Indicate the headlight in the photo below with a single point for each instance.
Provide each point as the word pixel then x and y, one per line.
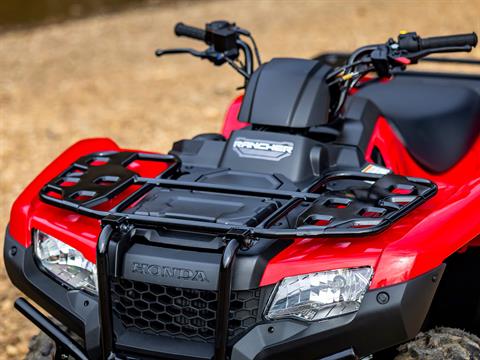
pixel 321 295
pixel 64 262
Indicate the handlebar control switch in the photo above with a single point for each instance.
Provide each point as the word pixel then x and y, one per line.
pixel 380 58
pixel 223 36
pixel 409 41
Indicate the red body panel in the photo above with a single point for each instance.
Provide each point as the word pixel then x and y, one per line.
pixel 413 245
pixel 29 212
pixel 399 160
pixel 231 122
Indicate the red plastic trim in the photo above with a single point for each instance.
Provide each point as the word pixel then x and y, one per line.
pixel 231 122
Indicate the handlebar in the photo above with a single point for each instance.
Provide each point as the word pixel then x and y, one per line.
pixel 189 31
pixel 450 41
pixel 226 43
pixel 413 42
pixel 384 58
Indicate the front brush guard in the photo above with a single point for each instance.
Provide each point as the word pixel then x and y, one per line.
pixel 64 345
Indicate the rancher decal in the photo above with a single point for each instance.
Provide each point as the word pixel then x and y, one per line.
pixel 262 149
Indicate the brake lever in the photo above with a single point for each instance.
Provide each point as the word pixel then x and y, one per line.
pixel 414 57
pixel 193 52
pixel 210 54
pixel 385 60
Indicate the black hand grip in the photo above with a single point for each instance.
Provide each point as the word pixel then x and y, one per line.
pixel 448 41
pixel 189 31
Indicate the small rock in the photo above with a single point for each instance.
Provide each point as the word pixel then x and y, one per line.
pixel 11 350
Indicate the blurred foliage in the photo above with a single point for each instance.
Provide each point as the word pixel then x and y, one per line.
pixel 24 13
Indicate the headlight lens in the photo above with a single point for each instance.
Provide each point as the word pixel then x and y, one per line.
pixel 321 295
pixel 64 262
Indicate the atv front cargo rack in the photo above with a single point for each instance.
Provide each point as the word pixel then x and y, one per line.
pixel 373 204
pixel 339 203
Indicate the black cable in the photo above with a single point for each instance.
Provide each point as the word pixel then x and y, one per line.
pixel 255 49
pixel 237 68
pixel 343 68
pixel 247 52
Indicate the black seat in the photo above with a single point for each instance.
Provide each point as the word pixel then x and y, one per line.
pixel 438 123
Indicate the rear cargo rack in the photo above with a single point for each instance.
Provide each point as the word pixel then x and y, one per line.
pixel 342 203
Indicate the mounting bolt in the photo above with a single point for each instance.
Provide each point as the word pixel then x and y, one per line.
pixel 383 298
pixel 124 228
pixel 13 251
pixel 86 303
pixel 247 243
pixel 434 278
pixel 271 329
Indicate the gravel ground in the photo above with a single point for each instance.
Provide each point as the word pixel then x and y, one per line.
pixel 98 77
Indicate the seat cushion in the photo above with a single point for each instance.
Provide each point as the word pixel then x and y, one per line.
pixel 438 123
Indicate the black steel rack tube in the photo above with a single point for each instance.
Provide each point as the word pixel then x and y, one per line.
pixel 104 299
pixel 224 293
pixel 262 231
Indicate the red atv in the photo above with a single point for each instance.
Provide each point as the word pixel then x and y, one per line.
pixel 335 217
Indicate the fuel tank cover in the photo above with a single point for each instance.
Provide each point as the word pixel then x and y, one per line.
pixel 287 93
pixel 272 153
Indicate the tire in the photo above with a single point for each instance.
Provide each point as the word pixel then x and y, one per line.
pixel 441 344
pixel 41 347
pixel 436 344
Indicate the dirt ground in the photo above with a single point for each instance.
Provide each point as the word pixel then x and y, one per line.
pixel 98 77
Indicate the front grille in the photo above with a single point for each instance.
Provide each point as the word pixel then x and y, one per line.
pixel 178 312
